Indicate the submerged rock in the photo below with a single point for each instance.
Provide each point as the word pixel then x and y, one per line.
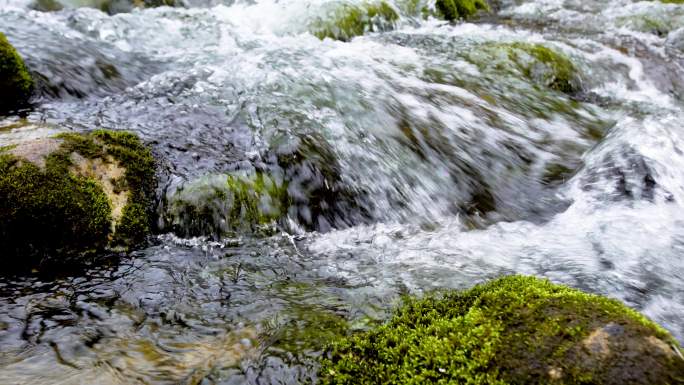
pixel 536 62
pixel 220 204
pixel 302 185
pixel 349 20
pixel 658 21
pixel 15 82
pixel 72 195
pixel 320 198
pixel 514 330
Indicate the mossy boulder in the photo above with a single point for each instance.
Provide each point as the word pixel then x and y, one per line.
pixel 538 63
pixel 111 7
pixel 514 330
pixel 300 184
pixel 460 9
pixel 16 84
pixel 71 195
pixel 222 204
pixel 346 21
pixel 658 21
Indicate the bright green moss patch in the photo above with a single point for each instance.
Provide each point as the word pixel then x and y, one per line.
pixel 460 9
pixel 536 62
pixel 74 193
pixel 348 21
pixel 221 204
pixel 514 330
pixel 16 84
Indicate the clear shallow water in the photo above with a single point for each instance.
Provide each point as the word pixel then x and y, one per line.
pixel 429 167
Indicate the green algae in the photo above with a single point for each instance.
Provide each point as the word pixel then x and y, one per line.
pixel 460 9
pixel 15 82
pixel 659 22
pixel 514 330
pixel 348 21
pixel 536 62
pixel 258 200
pixel 46 5
pixel 222 204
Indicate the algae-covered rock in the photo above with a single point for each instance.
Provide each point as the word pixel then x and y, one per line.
pixel 111 7
pixel 15 82
pixel 658 21
pixel 305 187
pixel 349 20
pixel 46 5
pixel 74 194
pixel 536 62
pixel 220 204
pixel 514 330
pixel 460 9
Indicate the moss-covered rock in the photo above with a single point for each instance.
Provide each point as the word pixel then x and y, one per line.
pixel 221 204
pixel 536 62
pixel 46 5
pixel 349 20
pixel 111 7
pixel 15 82
pixel 658 21
pixel 460 9
pixel 514 330
pixel 74 194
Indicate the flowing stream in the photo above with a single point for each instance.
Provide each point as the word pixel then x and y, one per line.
pixel 416 158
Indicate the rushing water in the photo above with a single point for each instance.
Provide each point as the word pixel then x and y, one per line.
pixel 420 162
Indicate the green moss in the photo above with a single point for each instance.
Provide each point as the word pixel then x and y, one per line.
pixel 55 212
pixel 15 82
pixel 658 22
pixel 139 179
pixel 536 62
pixel 257 200
pixel 134 224
pixel 514 330
pixel 222 204
pixel 46 5
pixel 561 68
pixel 48 211
pixel 349 21
pixel 460 9
pixel 119 6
